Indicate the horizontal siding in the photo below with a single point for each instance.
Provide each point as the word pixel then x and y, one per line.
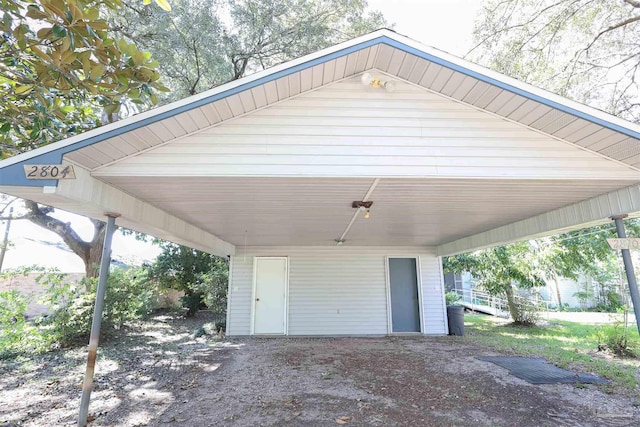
pixel 433 306
pixel 318 87
pixel 337 294
pixel 240 294
pixel 335 290
pixel 346 129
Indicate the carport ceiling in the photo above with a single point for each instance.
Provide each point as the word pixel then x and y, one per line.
pixel 316 211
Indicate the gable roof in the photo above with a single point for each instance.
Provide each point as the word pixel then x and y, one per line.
pixel 384 50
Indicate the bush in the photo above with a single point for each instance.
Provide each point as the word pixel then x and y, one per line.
pixel 526 313
pixel 201 276
pixel 452 298
pixel 611 302
pixel 619 338
pixel 129 296
pixel 192 302
pixel 16 333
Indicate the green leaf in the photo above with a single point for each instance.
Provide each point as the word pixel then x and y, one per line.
pixel 164 4
pixel 97 71
pixel 91 14
pixel 34 12
pixel 59 31
pixel 134 93
pixel 23 90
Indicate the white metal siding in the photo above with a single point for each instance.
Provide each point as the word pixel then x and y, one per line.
pixel 336 290
pixel 240 294
pixel 335 294
pixel 433 306
pixel 346 129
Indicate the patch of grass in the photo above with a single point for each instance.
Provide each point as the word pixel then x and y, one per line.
pixel 565 344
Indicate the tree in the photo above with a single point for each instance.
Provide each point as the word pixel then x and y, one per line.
pixel 62 64
pixel 586 50
pixel 498 269
pixel 201 276
pixel 204 43
pixel 587 252
pixel 529 264
pixel 60 68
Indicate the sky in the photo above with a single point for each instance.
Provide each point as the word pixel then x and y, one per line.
pixel 443 24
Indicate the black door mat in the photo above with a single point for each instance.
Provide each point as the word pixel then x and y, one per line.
pixel 536 370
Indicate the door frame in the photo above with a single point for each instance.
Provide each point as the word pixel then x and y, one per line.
pixel 388 286
pixel 286 293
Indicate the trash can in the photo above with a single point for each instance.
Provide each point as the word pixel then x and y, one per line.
pixel 455 317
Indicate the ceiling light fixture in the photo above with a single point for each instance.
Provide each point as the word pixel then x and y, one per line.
pixel 363 206
pixel 376 82
pixel 358 204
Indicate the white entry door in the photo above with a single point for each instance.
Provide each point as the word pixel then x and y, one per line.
pixel 270 296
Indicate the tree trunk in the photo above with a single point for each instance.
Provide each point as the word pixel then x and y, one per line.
pixel 94 253
pixel 555 279
pixel 89 252
pixel 514 310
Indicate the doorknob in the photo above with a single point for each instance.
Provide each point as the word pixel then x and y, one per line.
pixel 257 299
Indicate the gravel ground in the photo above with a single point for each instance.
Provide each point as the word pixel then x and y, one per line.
pixel 158 374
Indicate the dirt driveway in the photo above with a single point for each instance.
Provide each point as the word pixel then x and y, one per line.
pixel 160 375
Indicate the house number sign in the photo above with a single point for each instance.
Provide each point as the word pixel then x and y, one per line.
pixel 49 172
pixel 627 243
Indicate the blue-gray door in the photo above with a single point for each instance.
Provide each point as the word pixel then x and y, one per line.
pixel 403 283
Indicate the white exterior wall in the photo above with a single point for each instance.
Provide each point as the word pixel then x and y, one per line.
pixel 348 130
pixel 336 290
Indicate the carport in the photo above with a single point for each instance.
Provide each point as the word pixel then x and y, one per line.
pixel 315 176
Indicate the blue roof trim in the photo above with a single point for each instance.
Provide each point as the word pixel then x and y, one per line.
pixel 512 89
pixel 14 174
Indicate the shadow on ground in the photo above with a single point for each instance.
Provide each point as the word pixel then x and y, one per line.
pixel 158 374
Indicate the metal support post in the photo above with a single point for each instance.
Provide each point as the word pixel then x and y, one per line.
pixel 97 320
pixel 5 243
pixel 628 267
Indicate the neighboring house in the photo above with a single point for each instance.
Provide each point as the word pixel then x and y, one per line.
pixel 581 293
pixel 461 283
pixel 334 182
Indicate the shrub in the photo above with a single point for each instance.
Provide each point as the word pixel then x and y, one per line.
pixel 201 276
pixel 129 296
pixel 526 312
pixel 16 333
pixel 452 298
pixel 619 338
pixel 611 301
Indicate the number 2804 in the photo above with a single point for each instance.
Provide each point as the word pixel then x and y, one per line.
pixel 49 172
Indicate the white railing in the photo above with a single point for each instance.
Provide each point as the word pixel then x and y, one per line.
pixel 483 301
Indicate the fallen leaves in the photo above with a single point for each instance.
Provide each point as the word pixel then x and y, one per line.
pixel 342 420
